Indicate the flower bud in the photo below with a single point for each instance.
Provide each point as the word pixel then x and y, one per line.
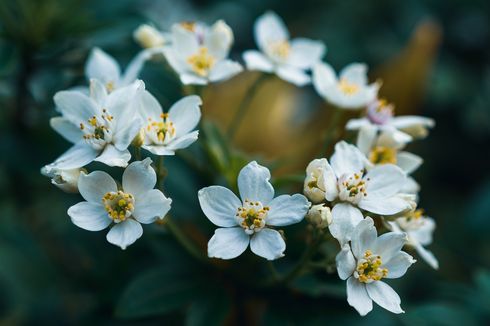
pixel 320 216
pixel 148 36
pixel 66 180
pixel 139 139
pixel 224 31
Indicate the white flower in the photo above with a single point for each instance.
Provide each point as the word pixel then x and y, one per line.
pixel 369 259
pixel 350 90
pixel 100 125
pixel 149 37
pixel 247 220
pixel 167 132
pixel 198 53
pixel 287 58
pixel 105 69
pixel 345 182
pixel 136 202
pixel 419 229
pixel 66 180
pixel 320 216
pixel 397 130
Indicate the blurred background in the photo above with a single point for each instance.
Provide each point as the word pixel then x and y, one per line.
pixel 433 57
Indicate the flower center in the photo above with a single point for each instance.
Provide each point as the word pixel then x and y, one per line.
pixel 97 130
pixel 369 268
pixel 110 86
pixel 159 131
pixel 279 49
pixel 251 216
pixel 189 25
pixel 119 205
pixel 201 62
pixel 347 87
pixel 352 188
pixel 413 220
pixel 380 112
pixel 383 155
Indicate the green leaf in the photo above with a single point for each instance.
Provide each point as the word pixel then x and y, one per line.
pixel 209 310
pixel 315 287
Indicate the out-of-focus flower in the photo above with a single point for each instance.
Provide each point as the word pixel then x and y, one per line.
pixel 288 59
pixel 199 53
pixel 346 183
pixel 351 90
pixel 246 221
pixel 136 202
pixel 366 261
pixel 149 37
pixel 320 216
pixel 100 125
pixel 419 229
pixel 167 132
pixel 397 130
pixel 66 180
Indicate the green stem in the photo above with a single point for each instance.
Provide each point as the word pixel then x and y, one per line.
pixel 275 274
pixel 332 129
pixel 245 103
pixel 185 242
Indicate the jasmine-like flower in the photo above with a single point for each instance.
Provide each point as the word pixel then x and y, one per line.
pixel 248 220
pixel 167 132
pixel 419 229
pixel 198 53
pixel 369 259
pixel 100 125
pixel 288 59
pixel 345 182
pixel 66 180
pixel 398 130
pixel 125 208
pixel 351 90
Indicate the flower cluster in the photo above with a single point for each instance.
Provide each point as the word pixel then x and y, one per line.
pixel 359 191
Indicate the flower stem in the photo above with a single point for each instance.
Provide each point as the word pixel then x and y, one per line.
pixel 332 129
pixel 184 241
pixel 245 103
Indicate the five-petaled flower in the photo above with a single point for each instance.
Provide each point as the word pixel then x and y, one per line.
pixel 136 202
pixel 369 259
pixel 288 59
pixel 248 221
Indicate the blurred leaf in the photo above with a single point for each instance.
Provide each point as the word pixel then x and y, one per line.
pixel 210 309
pixel 435 314
pixel 312 286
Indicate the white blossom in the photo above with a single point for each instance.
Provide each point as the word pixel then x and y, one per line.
pixel 288 59
pixel 350 90
pixel 248 220
pixel 167 132
pixel 320 216
pixel 126 208
pixel 66 180
pixel 199 53
pixel 369 259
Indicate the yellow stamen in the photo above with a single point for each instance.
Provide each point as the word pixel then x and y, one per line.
pixel 347 87
pixel 383 155
pixel 201 62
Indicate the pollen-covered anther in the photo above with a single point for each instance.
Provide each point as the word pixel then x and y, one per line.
pixel 369 268
pixel 352 187
pixel 97 130
pixel 201 62
pixel 119 205
pixel 251 216
pixel 161 130
pixel 383 155
pixel 347 87
pixel 280 49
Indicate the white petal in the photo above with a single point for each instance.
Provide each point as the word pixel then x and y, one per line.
pixel 355 73
pixel 254 60
pixel 413 125
pixel 427 256
pixel 363 237
pixel 324 78
pixel 153 205
pixel 220 205
pixel 286 210
pixel 408 162
pixel 355 124
pixel 77 156
pixel 184 42
pixel 139 178
pixel 125 233
pixel 385 296
pixel 175 61
pixel 410 186
pixel 398 264
pixel 123 102
pixel 423 234
pixel 219 39
pixel 183 142
pixel 357 296
pixel 113 157
pixel 224 70
pixel 385 206
pixel 75 106
pixel 254 185
pixel 391 137
pixel 268 243
pixel 345 218
pixel 192 79
pixel 347 159
pixel 389 244
pixel 228 243
pixel 89 216
pixel 149 107
pixel 185 114
pixel 346 263
pixel 124 136
pixel 384 181
pixel 366 138
pixel 95 185
pixel 305 53
pixel 98 91
pixel 66 129
pixel 102 66
pixel 159 150
pixel 293 75
pixel 269 28
pixel 328 180
pixel 134 67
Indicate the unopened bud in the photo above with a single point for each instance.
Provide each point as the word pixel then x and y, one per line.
pixel 148 36
pixel 139 139
pixel 66 180
pixel 320 216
